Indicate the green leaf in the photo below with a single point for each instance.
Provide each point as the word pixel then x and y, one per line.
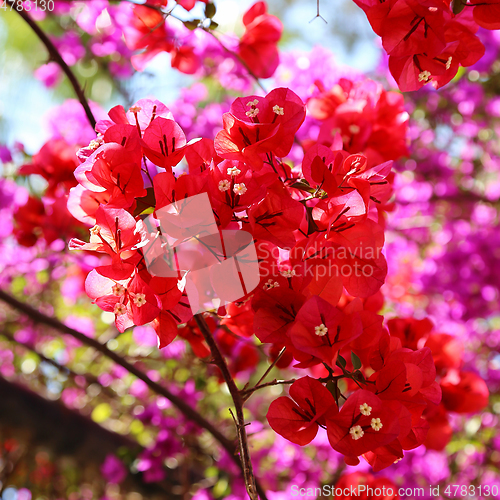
pixel 356 362
pixel 192 25
pixel 210 10
pixel 213 25
pixel 341 361
pixel 334 390
pixel 145 204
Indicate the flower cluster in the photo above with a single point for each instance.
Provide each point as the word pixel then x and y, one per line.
pixel 427 41
pixel 318 235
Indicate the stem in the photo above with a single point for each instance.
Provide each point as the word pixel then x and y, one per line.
pixel 56 57
pixel 61 368
pixel 250 481
pixel 266 373
pixel 248 392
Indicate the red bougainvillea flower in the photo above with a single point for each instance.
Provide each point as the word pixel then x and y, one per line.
pixel 366 117
pixel 412 332
pixel 256 126
pixel 298 417
pixel 486 13
pixel 116 234
pixel 147 30
pixel 365 486
pixel 140 115
pixel 447 351
pixel 276 217
pixel 464 392
pixel 321 330
pixel 440 430
pixel 164 143
pixel 364 423
pixel 55 162
pixel 83 204
pixel 131 300
pixel 414 27
pixel 258 46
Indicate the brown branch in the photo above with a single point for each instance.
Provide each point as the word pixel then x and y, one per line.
pixel 253 489
pixel 270 367
pixel 246 393
pixel 57 58
pixel 61 368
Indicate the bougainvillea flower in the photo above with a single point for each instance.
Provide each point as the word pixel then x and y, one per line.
pixel 366 485
pixel 132 300
pixel 464 392
pixel 486 13
pixel 321 330
pixel 164 143
pixel 364 423
pixel 447 351
pixel 140 115
pixel 413 27
pixel 276 217
pixel 55 162
pixel 298 417
pixel 257 126
pixel 258 46
pixel 114 233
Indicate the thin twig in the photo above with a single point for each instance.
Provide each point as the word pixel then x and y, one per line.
pixel 248 392
pixel 272 365
pixel 57 58
pixel 61 368
pixel 253 489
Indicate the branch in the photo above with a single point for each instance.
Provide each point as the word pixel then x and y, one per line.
pixel 246 393
pixel 181 405
pixel 253 489
pixel 61 368
pixel 56 57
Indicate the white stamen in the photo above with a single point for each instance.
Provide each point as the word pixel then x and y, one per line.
pixel 253 112
pixel 356 432
pixel 278 110
pixel 376 424
pixel 425 76
pixel 448 62
pixel 320 330
pixel 270 284
pixel 233 171
pixel 253 103
pixel 224 185
pixel 365 409
pixel 354 129
pixel 119 309
pixel 288 273
pixel 139 299
pixel 135 109
pixel 240 189
pixel 118 290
